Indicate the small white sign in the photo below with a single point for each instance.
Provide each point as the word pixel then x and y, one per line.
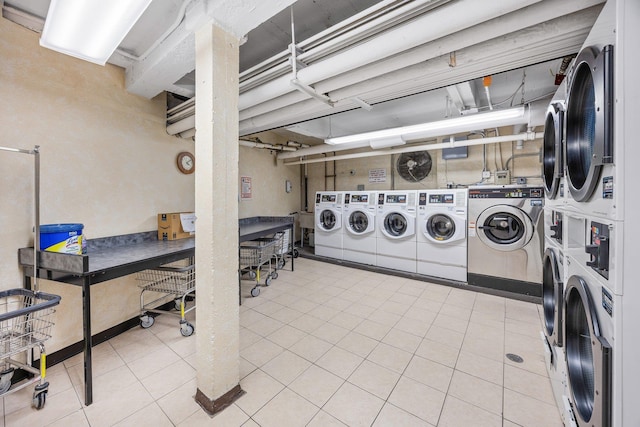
pixel 472 229
pixel 378 175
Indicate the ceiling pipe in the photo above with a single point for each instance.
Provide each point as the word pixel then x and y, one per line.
pixel 351 30
pixel 252 144
pixel 425 28
pixel 567 35
pixel 528 136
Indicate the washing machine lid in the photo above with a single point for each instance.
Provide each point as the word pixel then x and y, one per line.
pixel 360 222
pixel 444 227
pixel 552 149
pixel 589 120
pixel 398 224
pixel 329 219
pixel 588 354
pixel 552 296
pixel 504 228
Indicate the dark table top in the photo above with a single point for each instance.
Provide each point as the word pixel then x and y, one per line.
pixel 116 256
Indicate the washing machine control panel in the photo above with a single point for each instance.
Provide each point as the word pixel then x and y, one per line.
pixel 507 193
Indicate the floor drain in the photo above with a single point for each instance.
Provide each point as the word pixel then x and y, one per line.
pixel 515 358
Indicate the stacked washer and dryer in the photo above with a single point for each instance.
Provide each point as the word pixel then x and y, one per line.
pixel 591 298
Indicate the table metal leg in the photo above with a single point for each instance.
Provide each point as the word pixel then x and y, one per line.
pixel 86 327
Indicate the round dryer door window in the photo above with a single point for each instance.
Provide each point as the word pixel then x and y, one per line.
pixel 504 228
pixel 552 162
pixel 588 356
pixel 328 220
pixel 441 227
pixel 359 222
pixel 395 224
pixel 589 119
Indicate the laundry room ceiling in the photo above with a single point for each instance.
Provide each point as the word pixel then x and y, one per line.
pixel 361 64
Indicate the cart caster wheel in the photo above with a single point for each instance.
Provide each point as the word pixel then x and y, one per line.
pixel 296 253
pixel 281 263
pixel 39 400
pixel 267 281
pixel 255 292
pixel 146 321
pixel 252 275
pixel 5 380
pixel 176 304
pixel 274 275
pixel 186 329
pixel 40 395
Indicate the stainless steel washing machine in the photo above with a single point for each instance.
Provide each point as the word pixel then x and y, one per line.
pixel 506 238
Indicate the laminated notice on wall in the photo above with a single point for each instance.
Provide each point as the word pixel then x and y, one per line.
pixel 378 175
pixel 245 188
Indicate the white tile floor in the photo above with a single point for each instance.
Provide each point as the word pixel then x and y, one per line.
pixel 324 346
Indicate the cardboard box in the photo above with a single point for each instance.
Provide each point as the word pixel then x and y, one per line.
pixel 170 227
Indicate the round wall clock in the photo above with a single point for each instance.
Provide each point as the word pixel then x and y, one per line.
pixel 186 162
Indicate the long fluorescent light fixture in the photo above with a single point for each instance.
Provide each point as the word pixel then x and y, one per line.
pixel 495 118
pixel 90 29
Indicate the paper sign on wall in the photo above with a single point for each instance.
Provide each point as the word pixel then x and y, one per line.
pixel 378 175
pixel 245 188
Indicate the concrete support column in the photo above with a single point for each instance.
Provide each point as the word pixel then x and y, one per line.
pixel 216 186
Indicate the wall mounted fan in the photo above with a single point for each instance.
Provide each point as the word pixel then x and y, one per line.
pixel 414 167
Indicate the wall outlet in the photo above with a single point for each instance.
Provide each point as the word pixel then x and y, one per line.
pixel 503 177
pixel 486 174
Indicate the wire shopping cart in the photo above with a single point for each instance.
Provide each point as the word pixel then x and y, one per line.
pixel 25 323
pixel 254 254
pixel 177 281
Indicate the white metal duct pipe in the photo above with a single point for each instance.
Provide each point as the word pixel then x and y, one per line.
pixel 182 125
pixel 370 21
pixel 252 144
pixel 484 32
pixel 423 29
pixel 385 87
pixel 430 75
pixel 529 136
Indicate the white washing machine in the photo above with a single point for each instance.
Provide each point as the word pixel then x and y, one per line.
pixel 396 230
pixel 441 249
pixel 359 229
pixel 328 224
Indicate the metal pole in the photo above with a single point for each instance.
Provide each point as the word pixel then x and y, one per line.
pixel 36 240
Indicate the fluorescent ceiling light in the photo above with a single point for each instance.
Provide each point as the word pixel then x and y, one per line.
pixel 90 29
pixel 495 118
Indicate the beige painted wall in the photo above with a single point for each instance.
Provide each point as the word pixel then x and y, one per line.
pixel 268 178
pixel 106 162
pixel 350 173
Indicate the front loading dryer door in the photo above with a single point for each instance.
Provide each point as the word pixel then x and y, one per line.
pixel 552 148
pixel 588 354
pixel 504 228
pixel 589 120
pixel 398 225
pixel 443 228
pixel 552 296
pixel 329 220
pixel 360 222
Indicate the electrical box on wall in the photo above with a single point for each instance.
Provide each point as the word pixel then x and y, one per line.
pixel 503 177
